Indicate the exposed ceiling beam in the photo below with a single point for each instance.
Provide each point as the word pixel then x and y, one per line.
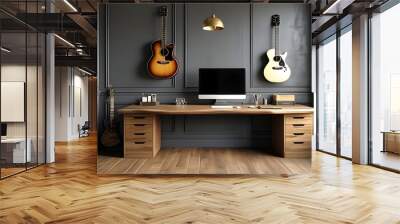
pixel 337 7
pixel 85 25
pixel 81 61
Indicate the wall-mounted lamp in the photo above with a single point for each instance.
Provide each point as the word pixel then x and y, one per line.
pixel 5 50
pixel 213 23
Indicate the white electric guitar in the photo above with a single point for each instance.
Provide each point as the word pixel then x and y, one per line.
pixel 276 69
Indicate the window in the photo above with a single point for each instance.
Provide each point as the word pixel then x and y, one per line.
pixel 326 99
pixel 385 89
pixel 334 109
pixel 346 93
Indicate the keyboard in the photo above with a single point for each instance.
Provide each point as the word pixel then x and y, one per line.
pixel 224 107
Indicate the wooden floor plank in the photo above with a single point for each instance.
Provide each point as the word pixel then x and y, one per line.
pixel 219 161
pixel 70 191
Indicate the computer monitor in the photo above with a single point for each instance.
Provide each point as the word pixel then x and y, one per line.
pixel 3 129
pixel 222 83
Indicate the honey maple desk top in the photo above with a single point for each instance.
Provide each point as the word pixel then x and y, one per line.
pixel 207 110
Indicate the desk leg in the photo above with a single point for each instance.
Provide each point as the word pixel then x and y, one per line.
pixel 278 135
pixel 156 135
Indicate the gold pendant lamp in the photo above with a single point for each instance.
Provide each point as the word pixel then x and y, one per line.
pixel 213 23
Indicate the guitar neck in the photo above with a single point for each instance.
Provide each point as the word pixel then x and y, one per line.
pixel 276 40
pixel 163 27
pixel 111 108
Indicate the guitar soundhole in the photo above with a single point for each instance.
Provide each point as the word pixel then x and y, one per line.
pixel 164 52
pixel 277 58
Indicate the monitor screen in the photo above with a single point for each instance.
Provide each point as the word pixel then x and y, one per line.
pixel 222 81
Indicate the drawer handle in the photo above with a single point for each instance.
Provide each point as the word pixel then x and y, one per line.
pixel 139 117
pixel 140 143
pixel 298 143
pixel 138 133
pixel 298 117
pixel 140 125
pixel 298 133
pixel 298 125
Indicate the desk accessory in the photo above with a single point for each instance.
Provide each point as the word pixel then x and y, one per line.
pixel 278 99
pixel 180 101
pixel 149 100
pixel 257 97
pixel 276 69
pixel 269 107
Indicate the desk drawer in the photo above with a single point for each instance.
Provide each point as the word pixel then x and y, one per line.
pixel 138 127
pixel 298 149
pixel 298 144
pixel 139 119
pixel 292 129
pixel 299 119
pixel 138 148
pixel 298 136
pixel 138 133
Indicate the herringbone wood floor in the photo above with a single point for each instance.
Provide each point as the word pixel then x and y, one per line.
pixel 205 161
pixel 69 191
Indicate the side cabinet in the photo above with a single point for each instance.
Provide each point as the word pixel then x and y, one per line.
pixel 292 135
pixel 142 136
pixel 298 135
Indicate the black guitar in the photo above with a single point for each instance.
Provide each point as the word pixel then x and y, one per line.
pixel 110 137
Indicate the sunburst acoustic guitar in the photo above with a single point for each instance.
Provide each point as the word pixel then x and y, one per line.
pixel 162 63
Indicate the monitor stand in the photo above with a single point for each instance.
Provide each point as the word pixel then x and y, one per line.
pixel 221 102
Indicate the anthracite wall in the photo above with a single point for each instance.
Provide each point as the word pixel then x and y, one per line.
pixel 125 32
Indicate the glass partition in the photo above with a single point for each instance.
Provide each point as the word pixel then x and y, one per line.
pixel 346 93
pixel 22 63
pixel 326 99
pixel 31 98
pixel 385 89
pixel 13 94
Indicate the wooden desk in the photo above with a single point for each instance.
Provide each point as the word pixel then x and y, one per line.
pixel 292 127
pixel 391 141
pixel 13 150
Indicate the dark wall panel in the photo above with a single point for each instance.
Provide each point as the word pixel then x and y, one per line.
pixel 229 48
pixel 295 38
pixel 127 30
pixel 131 30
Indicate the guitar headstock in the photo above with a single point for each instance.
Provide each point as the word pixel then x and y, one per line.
pixel 163 11
pixel 275 20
